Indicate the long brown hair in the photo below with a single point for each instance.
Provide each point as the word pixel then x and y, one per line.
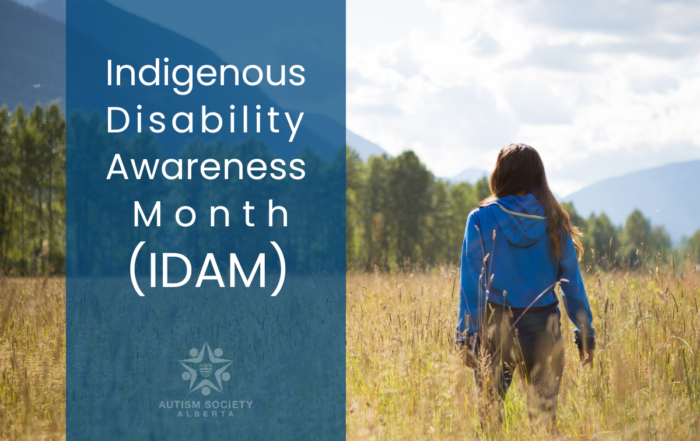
pixel 519 168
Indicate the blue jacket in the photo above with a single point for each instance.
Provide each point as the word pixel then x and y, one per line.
pixel 522 264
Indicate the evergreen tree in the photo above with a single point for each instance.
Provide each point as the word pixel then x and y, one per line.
pixel 602 239
pixel 6 181
pixel 354 169
pixel 438 235
pixel 463 200
pixel 410 187
pixel 642 243
pixel 374 213
pixel 482 189
pixel 32 189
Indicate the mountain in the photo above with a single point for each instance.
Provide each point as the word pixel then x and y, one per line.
pixel 33 54
pixel 55 9
pixel 668 195
pixel 470 175
pixel 363 147
pixel 30 3
pixel 38 52
pixel 39 63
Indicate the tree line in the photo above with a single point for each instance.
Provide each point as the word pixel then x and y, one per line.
pixel 102 233
pixel 399 213
pixel 32 189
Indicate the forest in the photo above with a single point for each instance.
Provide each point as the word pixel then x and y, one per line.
pixel 398 212
pixel 32 190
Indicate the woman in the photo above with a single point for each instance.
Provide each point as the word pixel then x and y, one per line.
pixel 519 245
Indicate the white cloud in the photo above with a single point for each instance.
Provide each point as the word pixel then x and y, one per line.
pixel 602 89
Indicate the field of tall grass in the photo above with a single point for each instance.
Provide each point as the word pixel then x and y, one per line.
pixel 32 358
pixel 406 379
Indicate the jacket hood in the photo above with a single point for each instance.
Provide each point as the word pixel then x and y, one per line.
pixel 524 225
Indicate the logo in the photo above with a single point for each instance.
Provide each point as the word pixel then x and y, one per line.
pixel 197 365
pixel 205 370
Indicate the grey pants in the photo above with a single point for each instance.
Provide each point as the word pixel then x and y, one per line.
pixel 529 341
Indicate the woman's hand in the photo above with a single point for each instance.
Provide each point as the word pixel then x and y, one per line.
pixel 586 356
pixel 470 358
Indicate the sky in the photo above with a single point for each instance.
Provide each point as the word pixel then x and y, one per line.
pixel 599 88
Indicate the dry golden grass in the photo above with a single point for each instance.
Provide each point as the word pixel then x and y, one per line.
pixel 32 359
pixel 405 379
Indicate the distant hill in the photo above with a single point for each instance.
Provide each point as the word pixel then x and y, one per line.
pixel 40 61
pixel 33 54
pixel 28 2
pixel 470 175
pixel 363 147
pixel 55 9
pixel 668 195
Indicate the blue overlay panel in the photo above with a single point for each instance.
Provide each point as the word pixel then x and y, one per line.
pixel 205 220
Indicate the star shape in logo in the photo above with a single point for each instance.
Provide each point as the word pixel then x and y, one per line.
pixel 215 364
